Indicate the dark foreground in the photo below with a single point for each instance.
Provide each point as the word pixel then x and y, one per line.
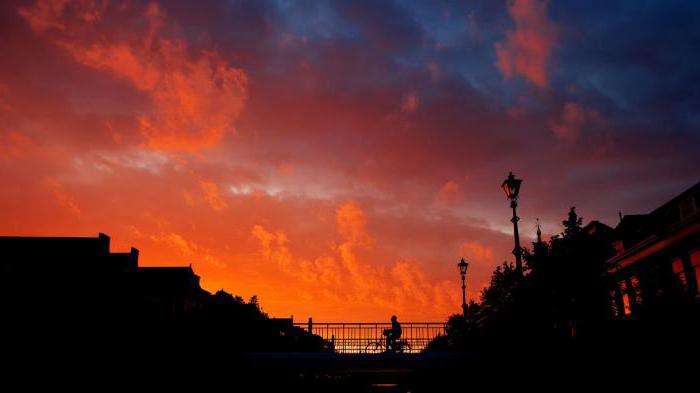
pixel 172 366
pixel 361 372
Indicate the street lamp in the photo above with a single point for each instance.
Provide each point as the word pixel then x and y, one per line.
pixel 511 186
pixel 463 272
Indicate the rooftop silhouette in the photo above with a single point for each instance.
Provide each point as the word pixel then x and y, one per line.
pixel 54 288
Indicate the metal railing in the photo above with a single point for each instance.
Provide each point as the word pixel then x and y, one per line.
pixel 368 337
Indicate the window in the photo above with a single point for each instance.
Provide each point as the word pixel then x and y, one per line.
pixel 695 264
pixel 636 289
pixel 630 293
pixel 679 271
pixel 615 301
pixel 626 307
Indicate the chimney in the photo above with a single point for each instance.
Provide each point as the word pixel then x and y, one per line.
pixel 133 259
pixel 103 243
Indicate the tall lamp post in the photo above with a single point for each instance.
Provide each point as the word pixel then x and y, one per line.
pixel 463 272
pixel 511 186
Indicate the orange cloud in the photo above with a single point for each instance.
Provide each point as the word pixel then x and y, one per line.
pixel 13 144
pixel 273 246
pixel 478 253
pixel 527 48
pixel 189 199
pixel 450 192
pixel 186 248
pixel 62 197
pixel 212 196
pixel 351 222
pixel 285 168
pixel 196 96
pixel 345 276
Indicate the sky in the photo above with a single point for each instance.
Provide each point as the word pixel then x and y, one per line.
pixel 337 158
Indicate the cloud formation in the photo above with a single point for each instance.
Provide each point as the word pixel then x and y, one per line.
pixel 526 51
pixel 347 278
pixel 212 195
pixel 573 121
pixel 196 96
pixel 367 156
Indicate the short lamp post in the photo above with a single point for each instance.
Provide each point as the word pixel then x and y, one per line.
pixel 511 186
pixel 463 265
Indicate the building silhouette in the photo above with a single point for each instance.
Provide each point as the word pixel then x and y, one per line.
pixel 75 290
pixel 656 268
pixel 174 292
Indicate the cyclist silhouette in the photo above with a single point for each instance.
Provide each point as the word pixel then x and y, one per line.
pixel 392 334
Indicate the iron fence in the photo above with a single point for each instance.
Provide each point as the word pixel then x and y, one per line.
pixel 368 337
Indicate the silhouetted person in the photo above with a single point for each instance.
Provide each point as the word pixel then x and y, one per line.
pixel 392 334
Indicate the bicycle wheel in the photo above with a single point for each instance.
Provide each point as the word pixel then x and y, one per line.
pixel 405 347
pixel 374 347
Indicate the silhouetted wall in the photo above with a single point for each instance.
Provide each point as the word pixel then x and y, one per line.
pixel 74 290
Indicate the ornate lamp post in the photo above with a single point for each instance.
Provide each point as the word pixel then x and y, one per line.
pixel 463 265
pixel 511 186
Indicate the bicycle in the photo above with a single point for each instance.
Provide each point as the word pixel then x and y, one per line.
pixel 400 346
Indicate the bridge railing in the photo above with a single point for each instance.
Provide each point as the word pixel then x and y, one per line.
pixel 368 337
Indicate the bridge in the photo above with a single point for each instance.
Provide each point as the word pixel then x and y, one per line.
pixel 367 337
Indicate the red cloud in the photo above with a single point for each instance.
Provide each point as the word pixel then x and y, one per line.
pixel 63 198
pixel 195 95
pixel 410 102
pixel 451 192
pixel 527 48
pixel 574 119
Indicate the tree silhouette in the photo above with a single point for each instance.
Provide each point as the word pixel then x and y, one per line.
pixel 562 297
pixel 573 224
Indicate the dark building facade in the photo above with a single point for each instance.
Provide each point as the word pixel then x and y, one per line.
pixel 75 290
pixel 61 278
pixel 656 267
pixel 78 275
pixel 173 292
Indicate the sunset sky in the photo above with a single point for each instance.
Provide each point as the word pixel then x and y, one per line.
pixel 338 158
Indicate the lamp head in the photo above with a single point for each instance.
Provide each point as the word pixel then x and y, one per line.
pixel 511 186
pixel 463 265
